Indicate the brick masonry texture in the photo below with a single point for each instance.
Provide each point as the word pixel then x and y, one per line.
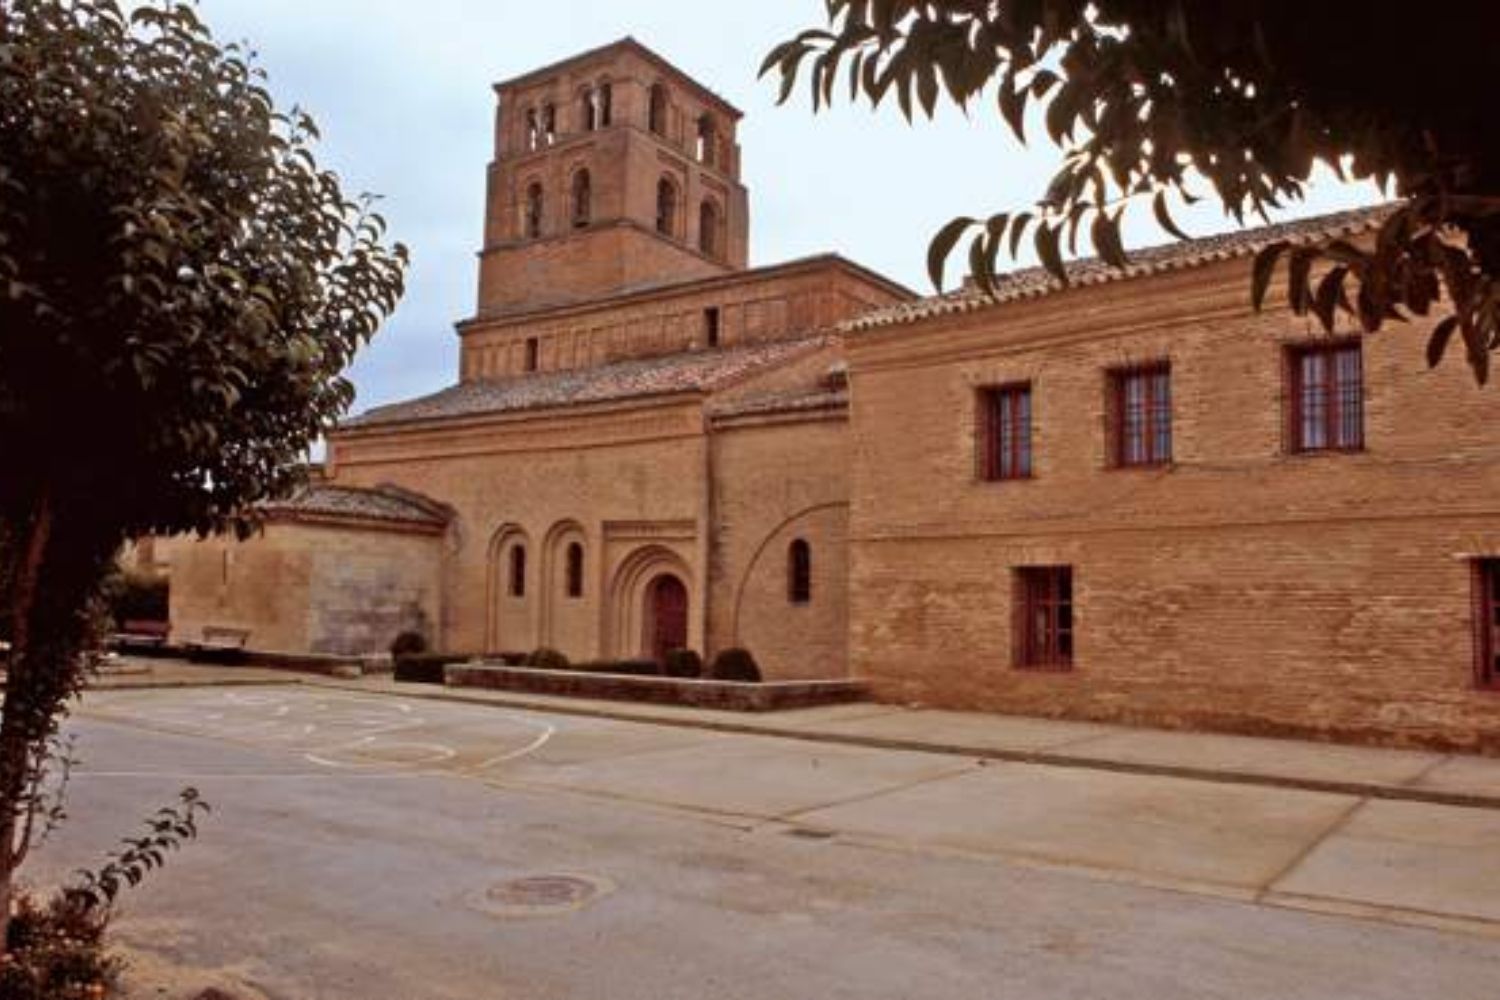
pixel 1239 587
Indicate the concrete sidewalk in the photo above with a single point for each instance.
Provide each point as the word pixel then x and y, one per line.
pixel 1368 772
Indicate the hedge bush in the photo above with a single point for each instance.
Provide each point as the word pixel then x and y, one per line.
pixel 548 659
pixel 683 663
pixel 136 596
pixel 425 668
pixel 55 951
pixel 407 644
pixel 635 668
pixel 735 664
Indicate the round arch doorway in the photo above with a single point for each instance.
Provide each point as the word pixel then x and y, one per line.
pixel 666 616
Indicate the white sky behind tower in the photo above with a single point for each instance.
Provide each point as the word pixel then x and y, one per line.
pixel 401 92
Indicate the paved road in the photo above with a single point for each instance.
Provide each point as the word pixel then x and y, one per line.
pixel 369 847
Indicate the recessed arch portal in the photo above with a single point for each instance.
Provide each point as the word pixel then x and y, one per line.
pixel 643 611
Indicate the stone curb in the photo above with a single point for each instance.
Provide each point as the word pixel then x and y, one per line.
pixel 158 685
pixel 1050 758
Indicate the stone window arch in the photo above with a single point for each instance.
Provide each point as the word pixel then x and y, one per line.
pixel 533 129
pixel 656 117
pixel 595 106
pixel 588 109
pixel 666 206
pixel 549 124
pixel 606 96
pixel 799 572
pixel 583 197
pixel 708 141
pixel 709 224
pixel 535 207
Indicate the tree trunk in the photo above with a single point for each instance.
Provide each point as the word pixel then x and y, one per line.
pixel 15 732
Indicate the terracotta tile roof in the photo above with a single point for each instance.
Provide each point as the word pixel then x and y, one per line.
pixel 789 401
pixel 384 503
pixel 1035 282
pixel 694 371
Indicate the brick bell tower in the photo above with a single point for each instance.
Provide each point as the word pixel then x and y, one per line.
pixel 613 171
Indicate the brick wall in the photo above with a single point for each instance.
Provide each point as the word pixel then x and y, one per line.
pixel 623 480
pixel 1240 587
pixel 780 478
pixel 620 246
pixel 754 306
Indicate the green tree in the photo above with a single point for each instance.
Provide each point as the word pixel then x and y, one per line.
pixel 181 288
pixel 1152 100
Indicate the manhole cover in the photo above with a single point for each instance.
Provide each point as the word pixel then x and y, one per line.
pixel 540 895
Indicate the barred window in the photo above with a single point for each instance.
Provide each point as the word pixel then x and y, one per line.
pixel 1327 397
pixel 1140 410
pixel 1005 432
pixel 1043 627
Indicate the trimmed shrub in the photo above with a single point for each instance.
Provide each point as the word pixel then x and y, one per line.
pixel 635 668
pixel 136 596
pixel 408 643
pixel 425 668
pixel 735 664
pixel 55 951
pixel 548 659
pixel 683 663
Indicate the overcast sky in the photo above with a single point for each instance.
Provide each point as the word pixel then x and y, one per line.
pixel 401 91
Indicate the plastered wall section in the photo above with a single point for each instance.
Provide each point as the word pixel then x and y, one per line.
pixel 297 588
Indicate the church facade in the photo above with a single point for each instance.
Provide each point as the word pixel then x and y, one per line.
pixel 1131 498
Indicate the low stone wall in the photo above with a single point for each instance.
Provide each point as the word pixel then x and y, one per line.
pixel 766 696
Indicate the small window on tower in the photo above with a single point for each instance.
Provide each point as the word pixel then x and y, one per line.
pixel 708 228
pixel 711 326
pixel 582 199
pixel 666 207
pixel 534 205
pixel 589 105
pixel 606 104
pixel 707 141
pixel 658 112
pixel 549 125
pixel 533 129
pixel 533 352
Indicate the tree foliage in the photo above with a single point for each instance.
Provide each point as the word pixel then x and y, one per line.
pixel 1151 100
pixel 181 288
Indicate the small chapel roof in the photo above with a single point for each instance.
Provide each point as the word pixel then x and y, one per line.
pixel 1035 282
pixel 386 504
pixel 687 372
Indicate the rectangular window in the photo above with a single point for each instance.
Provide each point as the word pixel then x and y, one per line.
pixel 711 325
pixel 1140 412
pixel 1005 432
pixel 1327 397
pixel 1043 627
pixel 1487 623
pixel 533 353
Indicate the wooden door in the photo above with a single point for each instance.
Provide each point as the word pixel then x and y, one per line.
pixel 667 619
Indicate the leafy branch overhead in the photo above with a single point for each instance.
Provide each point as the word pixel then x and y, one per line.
pixel 182 288
pixel 1154 101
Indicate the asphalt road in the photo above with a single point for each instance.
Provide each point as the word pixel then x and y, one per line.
pixel 375 848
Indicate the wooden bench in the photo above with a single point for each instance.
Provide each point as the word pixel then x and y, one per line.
pixel 220 641
pixel 139 634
